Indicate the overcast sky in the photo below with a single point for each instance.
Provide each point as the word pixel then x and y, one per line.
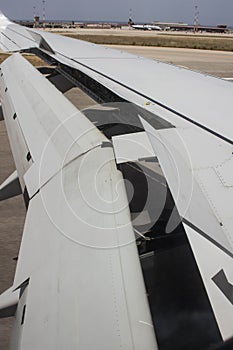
pixel 211 11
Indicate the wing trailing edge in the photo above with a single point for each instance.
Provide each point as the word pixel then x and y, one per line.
pixel 201 185
pixel 216 268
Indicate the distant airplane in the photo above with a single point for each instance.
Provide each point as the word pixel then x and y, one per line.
pixel 146 27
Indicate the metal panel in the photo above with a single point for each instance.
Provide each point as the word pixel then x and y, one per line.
pixel 195 155
pixel 85 281
pixel 200 196
pixel 14 37
pixel 131 147
pixel 211 260
pixel 204 202
pixel 86 285
pixel 164 84
pixel 45 118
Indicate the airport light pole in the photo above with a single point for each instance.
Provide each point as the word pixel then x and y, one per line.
pixel 43 13
pixel 196 19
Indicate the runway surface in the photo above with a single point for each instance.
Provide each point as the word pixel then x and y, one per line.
pixel 13 211
pixel 218 63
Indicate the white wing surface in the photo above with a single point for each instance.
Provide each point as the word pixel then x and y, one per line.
pixel 12 36
pixel 197 166
pixel 85 267
pixel 83 277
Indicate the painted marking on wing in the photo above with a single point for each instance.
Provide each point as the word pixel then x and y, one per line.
pixel 221 281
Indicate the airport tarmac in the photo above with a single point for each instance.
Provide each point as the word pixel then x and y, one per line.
pixel 218 63
pixel 127 31
pixel 13 211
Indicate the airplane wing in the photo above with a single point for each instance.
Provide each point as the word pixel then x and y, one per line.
pixel 13 37
pixel 198 166
pixel 76 271
pixel 92 262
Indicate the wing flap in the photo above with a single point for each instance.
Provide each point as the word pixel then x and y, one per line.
pixel 194 163
pixel 44 117
pixel 78 235
pixel 193 178
pixel 85 258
